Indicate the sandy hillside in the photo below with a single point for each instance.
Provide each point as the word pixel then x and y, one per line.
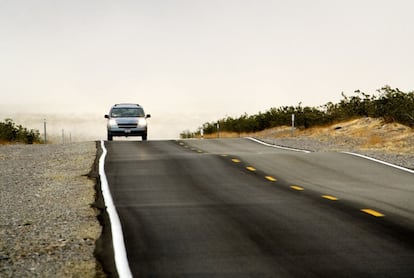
pixel 364 133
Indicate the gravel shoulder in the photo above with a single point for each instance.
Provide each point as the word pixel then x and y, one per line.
pixel 315 145
pixel 48 226
pixel 389 142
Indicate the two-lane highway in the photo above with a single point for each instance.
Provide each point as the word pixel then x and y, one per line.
pixel 240 209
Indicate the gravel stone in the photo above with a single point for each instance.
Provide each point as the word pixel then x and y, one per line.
pixel 350 145
pixel 48 227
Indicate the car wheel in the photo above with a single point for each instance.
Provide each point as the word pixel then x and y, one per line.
pixel 110 137
pixel 144 137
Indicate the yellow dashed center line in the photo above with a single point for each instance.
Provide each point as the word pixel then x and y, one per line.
pixel 298 188
pixel 373 212
pixel 332 198
pixel 270 178
pixel 199 151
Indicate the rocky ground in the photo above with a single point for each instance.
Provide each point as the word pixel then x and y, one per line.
pixel 48 227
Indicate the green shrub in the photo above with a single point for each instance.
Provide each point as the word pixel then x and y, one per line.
pixel 10 132
pixel 390 104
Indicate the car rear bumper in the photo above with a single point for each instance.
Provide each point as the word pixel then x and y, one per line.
pixel 127 131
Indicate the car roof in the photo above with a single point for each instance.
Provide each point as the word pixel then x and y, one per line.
pixel 126 105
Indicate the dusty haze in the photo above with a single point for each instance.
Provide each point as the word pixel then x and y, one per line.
pixel 193 61
pixel 86 127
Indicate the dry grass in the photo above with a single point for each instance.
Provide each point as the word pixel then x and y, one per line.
pixel 375 140
pixel 4 142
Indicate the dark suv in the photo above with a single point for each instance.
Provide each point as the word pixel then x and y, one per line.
pixel 127 119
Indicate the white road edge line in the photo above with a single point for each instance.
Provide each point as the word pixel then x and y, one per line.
pixel 121 260
pixel 382 162
pixel 276 146
pixel 355 154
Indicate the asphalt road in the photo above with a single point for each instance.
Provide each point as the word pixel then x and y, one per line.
pixel 235 208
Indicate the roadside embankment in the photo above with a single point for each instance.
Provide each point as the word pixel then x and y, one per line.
pixel 48 226
pixel 389 142
pixel 405 160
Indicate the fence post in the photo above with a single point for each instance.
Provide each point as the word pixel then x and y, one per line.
pixel 44 129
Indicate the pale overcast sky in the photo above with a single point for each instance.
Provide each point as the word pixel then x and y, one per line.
pixel 191 61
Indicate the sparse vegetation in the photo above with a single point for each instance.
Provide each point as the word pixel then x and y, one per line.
pixel 187 134
pixel 392 105
pixel 12 133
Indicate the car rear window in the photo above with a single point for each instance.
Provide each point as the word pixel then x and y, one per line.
pixel 127 112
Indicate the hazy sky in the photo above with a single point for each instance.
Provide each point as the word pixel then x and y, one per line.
pixel 191 61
